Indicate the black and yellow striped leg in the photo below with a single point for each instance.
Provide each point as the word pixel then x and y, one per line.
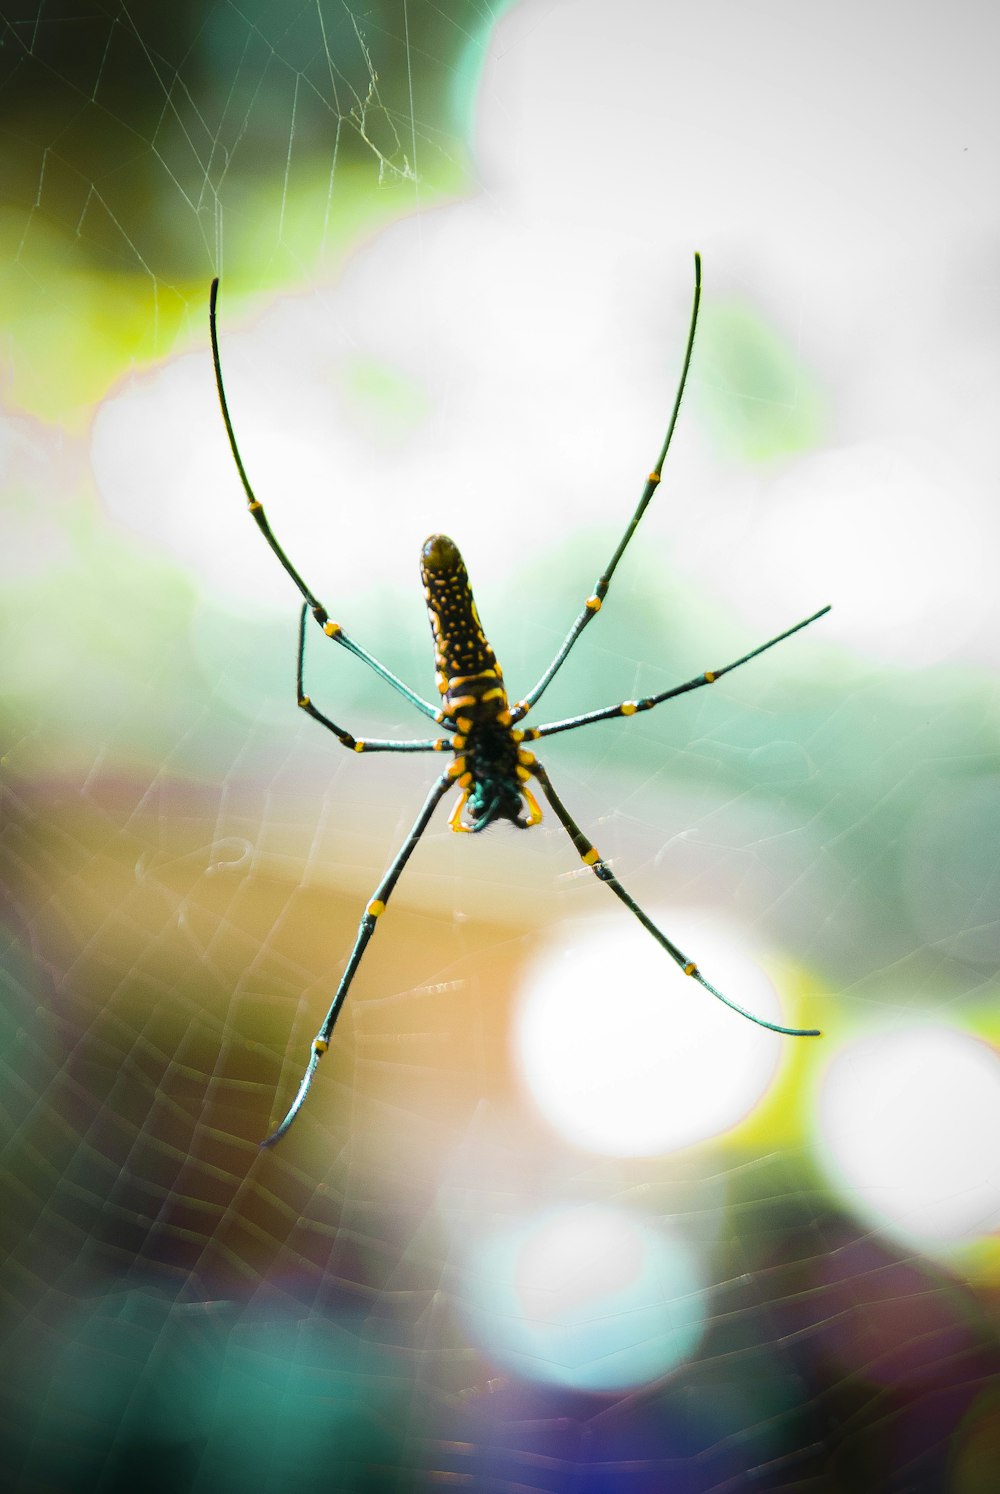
pixel 594 603
pixel 330 628
pixel 352 743
pixel 366 928
pixel 590 856
pixel 631 707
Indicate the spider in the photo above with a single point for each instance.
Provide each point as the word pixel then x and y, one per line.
pixel 491 765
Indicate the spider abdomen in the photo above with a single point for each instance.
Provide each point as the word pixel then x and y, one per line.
pixel 468 675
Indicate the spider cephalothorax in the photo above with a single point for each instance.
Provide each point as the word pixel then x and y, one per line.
pixel 491 767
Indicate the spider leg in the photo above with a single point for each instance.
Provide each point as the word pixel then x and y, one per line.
pixel 593 603
pixel 366 928
pixel 354 744
pixel 630 707
pixel 330 628
pixel 590 856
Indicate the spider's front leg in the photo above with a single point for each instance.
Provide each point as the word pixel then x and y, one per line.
pixel 345 738
pixel 647 702
pixel 594 603
pixel 591 857
pixel 256 510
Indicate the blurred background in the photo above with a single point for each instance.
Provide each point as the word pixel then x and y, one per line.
pixel 552 1219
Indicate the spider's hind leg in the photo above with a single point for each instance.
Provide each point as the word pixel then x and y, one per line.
pixel 369 920
pixel 591 857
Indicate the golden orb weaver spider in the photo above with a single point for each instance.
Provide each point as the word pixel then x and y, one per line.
pixel 491 766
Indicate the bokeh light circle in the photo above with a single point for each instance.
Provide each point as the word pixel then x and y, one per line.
pixel 626 1056
pixel 586 1296
pixel 908 1125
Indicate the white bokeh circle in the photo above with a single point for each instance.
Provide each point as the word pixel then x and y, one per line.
pixel 626 1056
pixel 907 1130
pixel 585 1296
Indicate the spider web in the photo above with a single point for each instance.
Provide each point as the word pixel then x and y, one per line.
pixel 455 247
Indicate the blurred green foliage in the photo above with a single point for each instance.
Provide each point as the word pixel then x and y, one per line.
pixel 758 396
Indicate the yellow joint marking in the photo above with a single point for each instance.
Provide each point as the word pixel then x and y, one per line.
pixel 503 718
pixel 376 908
pixel 457 768
pixel 304 700
pixel 331 629
pixel 458 742
pixel 525 757
pixel 591 856
pixel 464 725
pixel 254 506
pixel 690 968
pixel 654 477
pixel 441 717
pixel 594 604
pixel 320 1045
pixel 465 780
pixel 455 818
pixel 710 676
pixel 518 736
pixel 442 685
pixel 629 707
pixel 359 745
pixel 534 812
pixel 522 773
